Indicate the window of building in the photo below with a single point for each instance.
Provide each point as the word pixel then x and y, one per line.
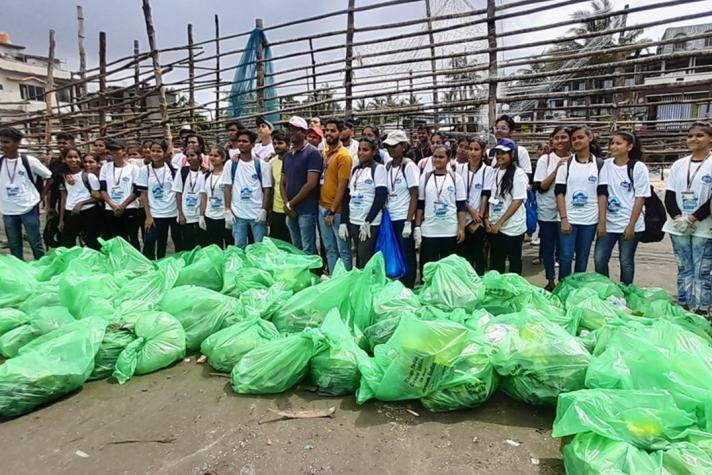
pixel 607 83
pixel 62 95
pixel 32 93
pixel 708 40
pixel 629 82
pixel 680 44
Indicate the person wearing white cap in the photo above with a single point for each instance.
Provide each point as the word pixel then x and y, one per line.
pixel 264 150
pixel 403 180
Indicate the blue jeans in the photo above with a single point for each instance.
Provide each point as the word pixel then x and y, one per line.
pixel 626 250
pixel 13 231
pixel 240 228
pixel 548 237
pixel 694 264
pixel 336 248
pixel 579 241
pixel 302 231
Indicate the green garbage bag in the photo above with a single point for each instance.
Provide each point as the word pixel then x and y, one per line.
pixel 686 457
pixel 86 294
pixel 647 419
pixel 124 258
pixel 278 365
pixel 50 370
pixel 11 318
pixel 285 263
pixel 413 362
pixel 381 331
pixel 234 261
pixel 46 294
pixel 116 338
pixel 394 300
pixel 160 341
pixel 204 270
pixel 590 310
pixel 17 281
pixel 201 311
pixel 509 293
pixel 56 261
pixel 600 283
pixel 537 358
pixel 335 369
pixel 259 302
pixel 40 322
pixel 451 283
pixel 225 348
pixel 590 453
pixel 640 299
pixel 367 282
pixel 469 382
pixel 150 287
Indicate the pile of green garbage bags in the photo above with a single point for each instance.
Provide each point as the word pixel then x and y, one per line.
pixel 628 370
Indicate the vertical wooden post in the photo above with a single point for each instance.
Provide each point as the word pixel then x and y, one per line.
pixel 135 107
pixel 433 66
pixel 49 85
pixel 151 33
pixel 492 44
pixel 618 76
pixel 191 76
pixel 102 84
pixel 260 70
pixel 313 62
pixel 82 52
pixel 348 72
pixel 410 85
pixel 217 71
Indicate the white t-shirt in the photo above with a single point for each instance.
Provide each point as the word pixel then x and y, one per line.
pixel 475 184
pixel 400 180
pixel 524 161
pixel 77 192
pixel 262 152
pixel 159 187
pixel 233 152
pixel 179 161
pixel 18 194
pixel 581 190
pixel 120 182
pixel 547 210
pixel 441 194
pixel 499 202
pixel 215 196
pixel 247 193
pixel 362 189
pixel 353 151
pixel 621 195
pixel 190 198
pixel 692 196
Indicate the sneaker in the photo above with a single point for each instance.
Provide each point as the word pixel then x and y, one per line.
pixel 535 242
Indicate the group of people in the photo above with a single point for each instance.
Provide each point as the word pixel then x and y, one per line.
pixel 316 186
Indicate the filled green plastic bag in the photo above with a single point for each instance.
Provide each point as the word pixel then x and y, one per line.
pixel 590 310
pixel 393 300
pixel 17 281
pixel 604 286
pixel 368 282
pixel 451 283
pixel 263 303
pixel 201 311
pixel 86 294
pixel 234 261
pixel 47 371
pixel 116 338
pixel 413 362
pixel 11 318
pixel 204 270
pixel 40 322
pixel 160 340
pixel 590 453
pixel 278 365
pixel 57 260
pixel 46 294
pixel 335 369
pixel 225 348
pixel 284 262
pixel 509 293
pixel 124 258
pixel 151 286
pixel 640 299
pixel 537 358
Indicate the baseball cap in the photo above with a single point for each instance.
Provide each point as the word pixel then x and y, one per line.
pixel 113 144
pixel 298 122
pixel 506 145
pixel 396 137
pixel 316 130
pixel 262 120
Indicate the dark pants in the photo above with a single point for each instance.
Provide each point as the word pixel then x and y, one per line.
pixel 13 230
pixel 189 235
pixel 473 249
pixel 278 227
pixel 626 251
pixel 549 243
pixel 577 243
pixel 157 237
pixel 87 224
pixel 407 248
pixel 506 248
pixel 364 249
pixel 434 249
pixel 217 234
pixel 125 226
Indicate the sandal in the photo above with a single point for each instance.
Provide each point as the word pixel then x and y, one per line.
pixel 536 261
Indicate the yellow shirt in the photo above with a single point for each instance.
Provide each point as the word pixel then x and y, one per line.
pixel 278 203
pixel 337 166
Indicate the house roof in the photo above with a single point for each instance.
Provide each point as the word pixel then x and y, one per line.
pixel 689 30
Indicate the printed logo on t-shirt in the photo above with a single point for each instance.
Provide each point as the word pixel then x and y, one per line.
pixel 614 205
pixel 254 176
pixel 478 186
pixel 398 181
pixel 157 192
pixel 357 200
pixel 451 189
pixel 368 181
pixel 216 202
pixel 125 179
pixel 246 193
pixel 592 179
pixel 626 185
pixel 440 209
pixel 191 201
pixel 579 199
pixel 707 180
pixel 21 172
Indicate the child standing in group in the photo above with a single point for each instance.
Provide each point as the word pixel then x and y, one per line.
pixel 212 202
pixel 187 185
pixel 79 212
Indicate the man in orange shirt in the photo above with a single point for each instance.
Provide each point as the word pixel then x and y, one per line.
pixel 334 181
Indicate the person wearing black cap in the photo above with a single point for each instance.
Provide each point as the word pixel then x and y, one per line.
pixel 117 180
pixel 264 150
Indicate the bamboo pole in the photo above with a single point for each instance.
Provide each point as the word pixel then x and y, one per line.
pixel 433 68
pixel 260 69
pixel 191 75
pixel 82 52
pixel 49 95
pixel 135 106
pixel 217 69
pixel 313 63
pixel 492 43
pixel 151 33
pixel 103 100
pixel 348 66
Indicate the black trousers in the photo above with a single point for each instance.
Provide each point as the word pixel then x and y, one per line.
pixel 436 248
pixel 217 234
pixel 190 236
pixel 364 249
pixel 407 248
pixel 278 227
pixel 473 249
pixel 87 224
pixel 506 248
pixel 125 226
pixel 154 247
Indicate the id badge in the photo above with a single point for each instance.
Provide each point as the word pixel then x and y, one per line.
pixel 191 201
pixel 117 194
pixel 216 202
pixel 13 192
pixel 689 202
pixel 440 209
pixel 158 192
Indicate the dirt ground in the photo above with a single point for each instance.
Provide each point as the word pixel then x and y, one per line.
pixel 182 420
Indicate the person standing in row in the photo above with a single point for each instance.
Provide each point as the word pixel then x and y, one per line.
pixel 187 186
pixel 212 203
pixel 19 195
pixel 687 201
pixel 365 199
pixel 426 164
pixel 422 148
pixel 248 191
pixel 547 168
pixel 503 129
pixel 403 180
pixel 264 149
pixel 278 219
pixel 118 180
pixel 79 212
pixel 348 141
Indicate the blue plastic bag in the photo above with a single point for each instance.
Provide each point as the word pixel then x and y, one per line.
pixel 531 212
pixel 387 244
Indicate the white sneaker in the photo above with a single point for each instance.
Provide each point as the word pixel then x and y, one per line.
pixel 535 242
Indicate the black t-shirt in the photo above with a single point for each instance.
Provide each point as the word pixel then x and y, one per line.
pixel 296 167
pixel 58 169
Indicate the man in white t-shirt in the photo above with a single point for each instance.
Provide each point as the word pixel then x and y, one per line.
pixel 19 195
pixel 248 191
pixel 347 140
pixel 264 150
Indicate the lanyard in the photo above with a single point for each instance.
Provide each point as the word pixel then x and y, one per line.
pixel 498 183
pixel 471 177
pixel 392 176
pixel 14 171
pixel 192 182
pixel 213 184
pixel 121 173
pixel 357 177
pixel 156 175
pixel 439 191
pixel 689 165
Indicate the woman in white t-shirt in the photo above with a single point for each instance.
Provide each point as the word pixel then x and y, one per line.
pixel 623 186
pixel 507 219
pixel 576 198
pixel 79 211
pixel 187 184
pixel 212 203
pixel 426 165
pixel 440 219
pixel 155 182
pixel 364 202
pixel 547 168
pixel 687 200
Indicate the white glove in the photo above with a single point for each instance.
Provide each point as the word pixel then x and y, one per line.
pixel 407 230
pixel 343 232
pixel 364 232
pixel 201 223
pixel 681 224
pixel 417 237
pixel 262 217
pixel 228 220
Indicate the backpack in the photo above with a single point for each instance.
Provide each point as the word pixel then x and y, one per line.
pixel 37 181
pixel 599 164
pixel 233 169
pixel 429 174
pixel 404 163
pixel 184 172
pixel 654 213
